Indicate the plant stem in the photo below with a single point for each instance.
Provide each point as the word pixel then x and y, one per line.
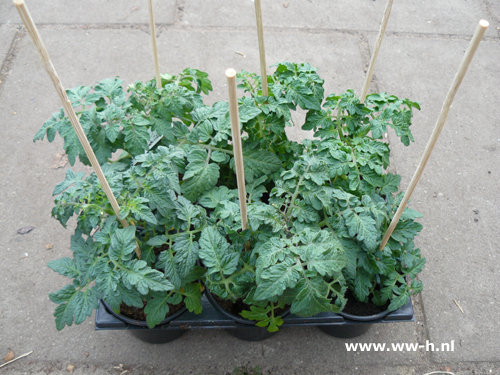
pixel 296 193
pixel 339 124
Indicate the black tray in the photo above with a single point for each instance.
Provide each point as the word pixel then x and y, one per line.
pixel 211 318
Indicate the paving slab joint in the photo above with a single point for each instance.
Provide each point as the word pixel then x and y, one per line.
pixel 366 55
pixel 179 10
pixel 8 62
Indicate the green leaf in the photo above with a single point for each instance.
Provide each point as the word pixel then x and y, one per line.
pixel 362 226
pixel 248 112
pixel 186 253
pixel 399 301
pixel 143 212
pixel 50 127
pixel 107 280
pixel 276 279
pixel 157 241
pixel 259 162
pixel 123 244
pixel 71 178
pixel 416 268
pixel 72 145
pixel 406 230
pixel 64 312
pixel 273 251
pixel 305 213
pixel 129 297
pixel 65 266
pixel 109 87
pixel 311 299
pixel 156 309
pixel 215 196
pixel 137 273
pixel 256 313
pixel 304 96
pixel 192 297
pixel 136 138
pixel 84 303
pixel 215 252
pixel 166 261
pixel 205 178
pixel 362 286
pixel 318 119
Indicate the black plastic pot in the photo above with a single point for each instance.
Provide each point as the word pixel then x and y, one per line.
pixel 210 318
pixel 357 325
pixel 158 335
pixel 246 329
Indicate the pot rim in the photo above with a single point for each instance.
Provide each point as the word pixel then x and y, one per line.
pixel 142 323
pixel 236 318
pixel 365 318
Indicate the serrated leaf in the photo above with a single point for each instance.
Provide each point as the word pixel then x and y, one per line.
pixel 275 279
pixel 406 230
pixel 205 178
pixel 71 178
pixel 363 227
pixel 129 297
pixel 107 280
pixel 123 244
pixel 259 162
pixel 186 253
pixel 50 127
pixel 166 262
pixel 157 241
pixel 72 145
pixel 216 254
pixel 398 301
pixel 84 303
pixel 65 266
pixel 64 312
pixel 215 196
pixel 248 112
pixel 362 286
pixel 192 298
pixel 137 273
pixel 311 299
pixel 136 138
pixel 156 310
pixel 273 251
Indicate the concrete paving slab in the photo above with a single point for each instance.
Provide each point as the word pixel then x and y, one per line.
pixel 426 16
pixel 89 11
pixel 458 192
pixel 494 14
pixel 26 320
pixel 6 37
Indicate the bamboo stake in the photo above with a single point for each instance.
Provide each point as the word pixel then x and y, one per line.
pixel 49 67
pixel 237 148
pixel 380 37
pixel 262 51
pixel 153 41
pixel 469 54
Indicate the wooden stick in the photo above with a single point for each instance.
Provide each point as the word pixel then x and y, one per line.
pixel 153 41
pixel 237 148
pixel 469 54
pixel 15 359
pixel 371 67
pixel 49 67
pixel 262 51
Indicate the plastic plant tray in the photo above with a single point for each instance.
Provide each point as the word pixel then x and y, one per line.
pixel 211 318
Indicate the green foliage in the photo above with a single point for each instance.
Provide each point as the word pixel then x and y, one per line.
pixel 317 210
